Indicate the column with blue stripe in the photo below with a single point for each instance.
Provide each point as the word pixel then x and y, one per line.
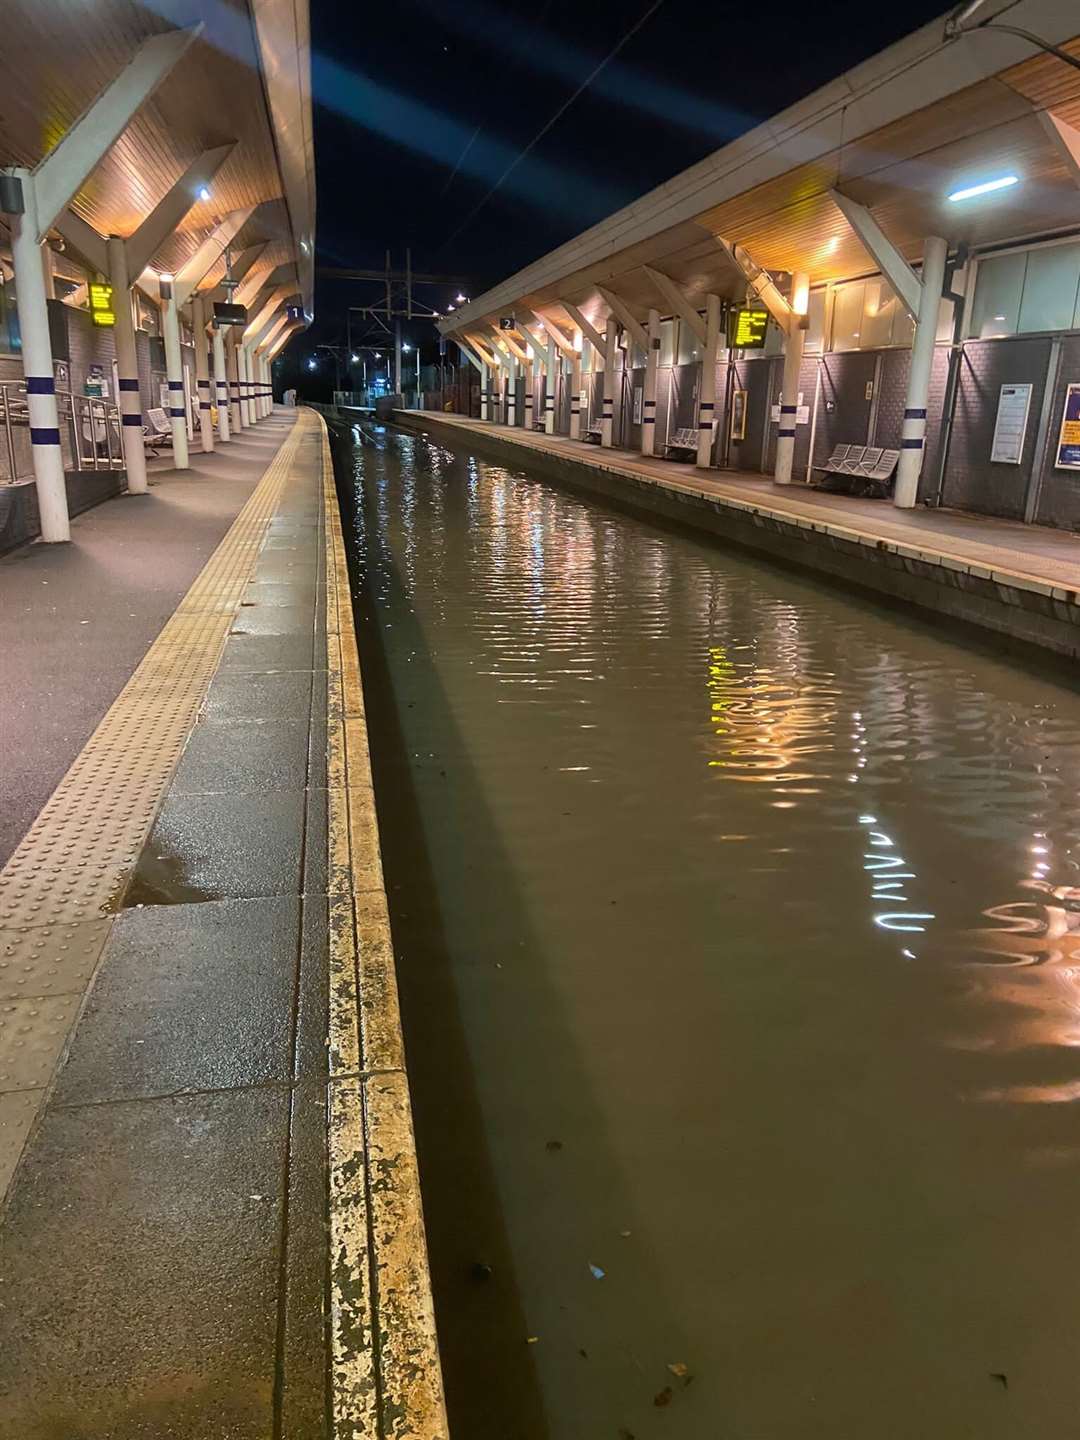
pixel 707 389
pixel 607 393
pixel 127 371
pixel 38 367
pixel 794 344
pixel 174 373
pixel 913 434
pixel 221 384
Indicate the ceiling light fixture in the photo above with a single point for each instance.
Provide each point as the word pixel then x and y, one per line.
pixel 986 188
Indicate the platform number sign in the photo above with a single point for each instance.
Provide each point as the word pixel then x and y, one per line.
pixel 1068 446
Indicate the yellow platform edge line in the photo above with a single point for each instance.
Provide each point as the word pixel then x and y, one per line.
pixel 386 1380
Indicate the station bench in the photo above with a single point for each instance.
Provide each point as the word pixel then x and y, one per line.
pixel 593 435
pixel 683 440
pixel 858 470
pixel 157 433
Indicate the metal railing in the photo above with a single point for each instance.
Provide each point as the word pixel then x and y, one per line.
pixel 89 433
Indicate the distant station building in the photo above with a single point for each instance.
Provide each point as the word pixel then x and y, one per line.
pixel 157 212
pixel 881 282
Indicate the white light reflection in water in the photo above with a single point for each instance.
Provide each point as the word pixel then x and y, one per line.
pixel 889 879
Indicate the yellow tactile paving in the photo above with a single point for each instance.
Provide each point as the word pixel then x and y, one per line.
pixel 76 858
pixel 386 1379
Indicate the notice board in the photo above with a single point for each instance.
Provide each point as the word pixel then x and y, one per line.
pixel 1014 402
pixel 1068 446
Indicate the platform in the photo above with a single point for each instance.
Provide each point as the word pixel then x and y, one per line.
pixel 1020 581
pixel 212 1223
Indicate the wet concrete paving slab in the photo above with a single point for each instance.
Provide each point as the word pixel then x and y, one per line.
pixel 277 695
pixel 233 756
pixel 140 1259
pixel 250 652
pixel 213 846
pixel 188 997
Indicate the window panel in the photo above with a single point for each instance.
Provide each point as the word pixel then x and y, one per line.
pixel 815 314
pixel 999 285
pixel 1050 288
pixel 848 316
pixel 667 342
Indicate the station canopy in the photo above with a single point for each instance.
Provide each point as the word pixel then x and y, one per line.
pixel 243 82
pixel 931 116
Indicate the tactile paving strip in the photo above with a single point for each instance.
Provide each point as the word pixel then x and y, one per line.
pixel 75 861
pixel 49 959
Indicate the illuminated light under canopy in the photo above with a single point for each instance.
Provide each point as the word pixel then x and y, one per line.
pixel 986 188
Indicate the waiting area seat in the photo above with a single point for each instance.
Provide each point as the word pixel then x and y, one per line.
pixel 684 440
pixel 157 432
pixel 858 470
pixel 593 435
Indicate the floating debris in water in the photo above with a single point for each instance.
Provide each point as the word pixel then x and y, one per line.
pixel 481 1270
pixel 532 1339
pixel 595 1271
pixel 554 1145
pixel 663 1397
pixel 680 1371
pixel 1002 1379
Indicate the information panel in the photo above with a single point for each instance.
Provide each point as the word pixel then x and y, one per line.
pixel 746 329
pixel 1011 425
pixel 101 307
pixel 1068 447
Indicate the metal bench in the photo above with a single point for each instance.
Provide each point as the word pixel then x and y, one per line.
pixel 157 432
pixel 858 470
pixel 593 435
pixel 684 439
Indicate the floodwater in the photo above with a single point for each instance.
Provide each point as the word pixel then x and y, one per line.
pixel 738 930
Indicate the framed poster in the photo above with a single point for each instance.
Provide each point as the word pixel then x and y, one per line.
pixel 1068 446
pixel 1014 401
pixel 639 400
pixel 738 415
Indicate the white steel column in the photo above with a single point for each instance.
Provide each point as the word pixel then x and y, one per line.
pixel 607 404
pixel 485 392
pixel 794 343
pixel 236 415
pixel 221 385
pixel 648 399
pixel 174 372
pixel 528 371
pixel 707 388
pixel 202 372
pixel 575 388
pixel 551 372
pixel 38 368
pixel 127 370
pixel 912 443
pixel 511 389
pixel 248 383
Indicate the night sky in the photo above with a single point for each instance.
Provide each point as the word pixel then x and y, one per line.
pixel 420 108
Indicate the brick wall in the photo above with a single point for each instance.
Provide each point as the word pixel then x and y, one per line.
pixel 755 377
pixel 972 480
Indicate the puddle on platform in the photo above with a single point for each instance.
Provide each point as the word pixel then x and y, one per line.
pixel 161 879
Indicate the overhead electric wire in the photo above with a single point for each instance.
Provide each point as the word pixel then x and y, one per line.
pixel 629 34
